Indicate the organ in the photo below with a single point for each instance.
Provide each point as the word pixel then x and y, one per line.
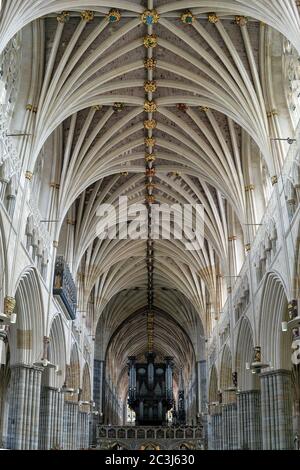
pixel 150 389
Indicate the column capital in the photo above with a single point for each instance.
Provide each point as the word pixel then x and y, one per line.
pixel 286 372
pixel 27 366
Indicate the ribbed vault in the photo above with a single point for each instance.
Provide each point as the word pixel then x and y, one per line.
pixel 169 112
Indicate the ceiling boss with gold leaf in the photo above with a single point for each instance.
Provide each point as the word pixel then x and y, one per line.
pixel 150 40
pixel 187 17
pixel 150 86
pixel 150 124
pixel 150 17
pixel 150 106
pixel 114 16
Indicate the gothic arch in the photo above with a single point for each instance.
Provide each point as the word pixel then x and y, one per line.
pixel 3 266
pixel 296 267
pixel 86 392
pixel 26 336
pixel 226 373
pixel 213 386
pixel 86 384
pixel 73 374
pixel 275 344
pixel 57 352
pixel 244 355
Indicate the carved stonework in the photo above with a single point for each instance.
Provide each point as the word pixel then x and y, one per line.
pixel 149 141
pixel 63 17
pixel 150 86
pixel 114 16
pixel 150 437
pixel 64 286
pixel 291 76
pixel 87 15
pixel 150 157
pixel 213 18
pixel 117 107
pixel 150 17
pixel 241 20
pixel 150 124
pixel 187 17
pixel 150 106
pixel 9 87
pixel 9 305
pixel 150 41
pixel 150 63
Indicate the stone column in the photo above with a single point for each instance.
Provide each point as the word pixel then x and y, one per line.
pixel 202 396
pixel 70 423
pixel 141 411
pixel 169 377
pixel 115 406
pixel 229 426
pixel 276 405
pixel 51 419
pixel 249 420
pixel 98 395
pixel 216 429
pixel 219 432
pixel 83 430
pixel 24 407
pixel 4 385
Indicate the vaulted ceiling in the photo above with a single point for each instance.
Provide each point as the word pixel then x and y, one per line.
pixel 157 107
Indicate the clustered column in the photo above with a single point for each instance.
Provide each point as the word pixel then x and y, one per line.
pixel 51 419
pixel 216 428
pixel 98 395
pixel 276 407
pixel 23 424
pixel 249 420
pixel 229 427
pixel 259 419
pixel 83 430
pixel 70 424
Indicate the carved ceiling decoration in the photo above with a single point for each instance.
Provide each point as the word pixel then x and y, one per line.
pixel 155 102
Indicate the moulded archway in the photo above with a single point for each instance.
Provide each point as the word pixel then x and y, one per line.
pixel 73 375
pixel 213 395
pixel 275 343
pixel 226 375
pixel 3 266
pixel 26 336
pixel 244 356
pixel 56 353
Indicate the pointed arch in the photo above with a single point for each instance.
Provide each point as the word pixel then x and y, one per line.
pixel 226 373
pixel 3 265
pixel 57 352
pixel 213 386
pixel 244 354
pixel 26 336
pixel 275 344
pixel 86 390
pixel 73 374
